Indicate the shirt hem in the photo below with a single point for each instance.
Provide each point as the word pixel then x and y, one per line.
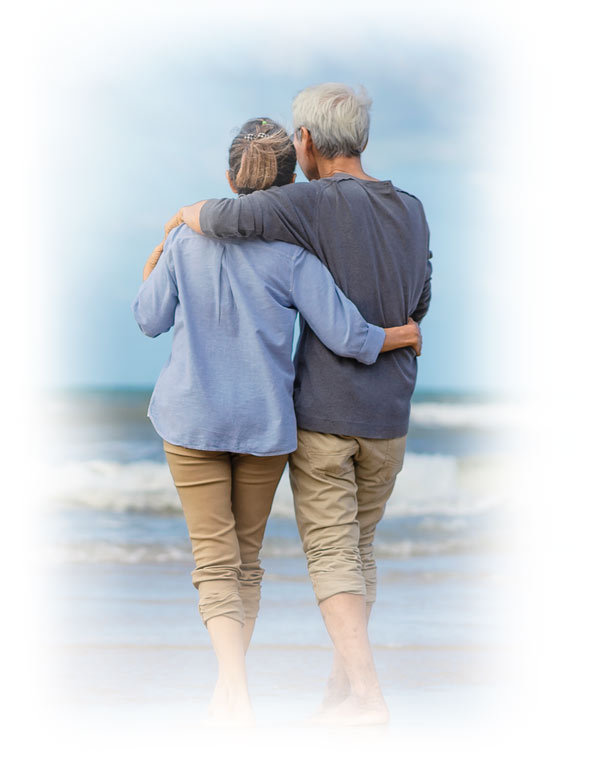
pixel 223 447
pixel 367 430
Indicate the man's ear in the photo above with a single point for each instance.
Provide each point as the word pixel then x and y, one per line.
pixel 231 185
pixel 306 138
pixel 293 177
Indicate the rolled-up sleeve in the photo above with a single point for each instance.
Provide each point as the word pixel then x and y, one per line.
pixel 154 306
pixel 333 318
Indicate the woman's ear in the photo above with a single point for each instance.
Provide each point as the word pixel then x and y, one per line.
pixel 231 185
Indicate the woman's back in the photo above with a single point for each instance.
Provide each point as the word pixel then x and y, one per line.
pixel 228 384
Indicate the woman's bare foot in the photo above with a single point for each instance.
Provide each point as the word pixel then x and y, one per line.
pixel 230 707
pixel 230 703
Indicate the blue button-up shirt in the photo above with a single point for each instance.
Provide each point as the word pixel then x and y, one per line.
pixel 232 303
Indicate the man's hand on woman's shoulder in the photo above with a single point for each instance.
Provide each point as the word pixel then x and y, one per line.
pixel 190 215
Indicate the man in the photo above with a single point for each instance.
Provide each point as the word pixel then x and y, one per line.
pixel 352 419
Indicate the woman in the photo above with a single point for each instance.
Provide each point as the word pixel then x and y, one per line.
pixel 223 403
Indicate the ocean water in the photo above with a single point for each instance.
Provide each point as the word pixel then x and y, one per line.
pixel 124 630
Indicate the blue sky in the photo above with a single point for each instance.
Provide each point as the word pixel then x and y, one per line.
pixel 129 136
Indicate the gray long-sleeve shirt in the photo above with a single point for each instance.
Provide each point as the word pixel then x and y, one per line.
pixel 374 239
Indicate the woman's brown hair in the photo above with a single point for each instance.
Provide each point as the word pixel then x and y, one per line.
pixel 260 156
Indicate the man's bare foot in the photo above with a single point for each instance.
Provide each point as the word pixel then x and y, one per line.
pixel 355 711
pixel 336 691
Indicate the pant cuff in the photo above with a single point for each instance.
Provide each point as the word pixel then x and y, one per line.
pixel 220 599
pixel 326 586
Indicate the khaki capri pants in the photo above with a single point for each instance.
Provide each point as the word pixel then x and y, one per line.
pixel 226 500
pixel 341 485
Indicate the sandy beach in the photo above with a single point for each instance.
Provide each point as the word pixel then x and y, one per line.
pixel 128 640
pixel 126 655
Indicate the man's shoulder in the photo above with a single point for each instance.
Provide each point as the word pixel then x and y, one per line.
pixel 296 191
pixel 410 195
pixel 374 186
pixel 412 203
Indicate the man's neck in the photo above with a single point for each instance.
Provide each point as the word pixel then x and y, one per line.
pixel 351 165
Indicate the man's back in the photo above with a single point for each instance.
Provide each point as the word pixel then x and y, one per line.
pixel 375 241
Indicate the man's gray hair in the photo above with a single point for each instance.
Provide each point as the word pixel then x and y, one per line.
pixel 336 116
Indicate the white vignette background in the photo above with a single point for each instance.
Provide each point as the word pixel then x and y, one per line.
pixel 550 201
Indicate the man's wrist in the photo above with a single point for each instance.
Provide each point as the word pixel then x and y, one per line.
pixel 191 216
pixel 400 337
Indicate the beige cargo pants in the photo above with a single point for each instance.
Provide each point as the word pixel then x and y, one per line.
pixel 226 500
pixel 341 486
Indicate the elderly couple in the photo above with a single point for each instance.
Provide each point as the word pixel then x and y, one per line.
pixel 350 253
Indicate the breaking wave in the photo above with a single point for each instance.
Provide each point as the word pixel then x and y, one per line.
pixel 428 484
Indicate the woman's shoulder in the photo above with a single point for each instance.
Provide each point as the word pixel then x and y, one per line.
pixel 184 243
pixel 183 234
pixel 185 238
pixel 257 247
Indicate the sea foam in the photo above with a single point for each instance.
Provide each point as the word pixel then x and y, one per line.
pixel 468 415
pixel 428 484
